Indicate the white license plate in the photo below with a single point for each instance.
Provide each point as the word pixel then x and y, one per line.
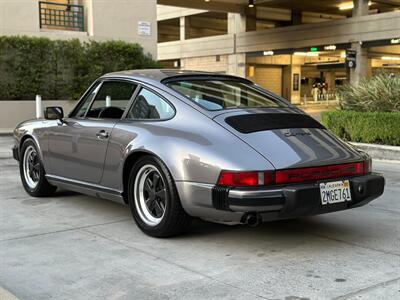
pixel 335 192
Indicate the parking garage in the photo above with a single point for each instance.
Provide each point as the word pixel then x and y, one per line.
pixel 308 65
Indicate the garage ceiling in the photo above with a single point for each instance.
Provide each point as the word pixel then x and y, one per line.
pixel 326 6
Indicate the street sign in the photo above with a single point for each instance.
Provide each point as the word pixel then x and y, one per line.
pixel 351 61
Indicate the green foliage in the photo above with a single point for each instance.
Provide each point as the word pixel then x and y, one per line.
pixel 364 127
pixel 61 69
pixel 378 93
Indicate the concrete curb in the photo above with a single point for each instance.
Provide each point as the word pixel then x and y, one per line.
pixel 380 152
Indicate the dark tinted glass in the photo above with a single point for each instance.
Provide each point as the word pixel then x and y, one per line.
pixel 111 100
pixel 223 94
pixel 150 106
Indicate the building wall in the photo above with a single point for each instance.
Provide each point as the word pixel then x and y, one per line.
pixel 105 20
pixel 269 77
pixel 206 63
pixel 118 19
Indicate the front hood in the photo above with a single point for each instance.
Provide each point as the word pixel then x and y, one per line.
pixel 288 139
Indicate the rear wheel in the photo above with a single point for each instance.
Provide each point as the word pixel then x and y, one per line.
pixel 154 200
pixel 32 171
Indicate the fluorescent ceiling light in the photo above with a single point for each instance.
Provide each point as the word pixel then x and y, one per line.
pixel 305 54
pixel 268 53
pixel 390 57
pixel 330 47
pixel 350 5
pixel 251 3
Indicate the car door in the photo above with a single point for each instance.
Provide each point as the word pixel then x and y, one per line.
pixel 78 144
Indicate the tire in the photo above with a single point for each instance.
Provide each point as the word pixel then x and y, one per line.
pixel 155 203
pixel 34 179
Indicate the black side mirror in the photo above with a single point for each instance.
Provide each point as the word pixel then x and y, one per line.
pixel 53 113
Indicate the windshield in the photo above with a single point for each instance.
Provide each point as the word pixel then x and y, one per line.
pixel 217 94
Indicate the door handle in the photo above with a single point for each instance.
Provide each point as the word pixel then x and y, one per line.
pixel 102 134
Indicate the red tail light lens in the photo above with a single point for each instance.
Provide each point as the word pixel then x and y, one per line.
pixel 267 178
pixel 319 173
pixel 231 178
pixel 228 178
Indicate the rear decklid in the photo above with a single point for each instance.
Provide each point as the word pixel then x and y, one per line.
pixel 287 138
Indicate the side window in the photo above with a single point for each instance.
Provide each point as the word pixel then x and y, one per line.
pixel 81 112
pixel 111 100
pixel 149 106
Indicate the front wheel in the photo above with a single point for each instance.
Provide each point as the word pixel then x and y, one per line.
pixel 32 171
pixel 154 200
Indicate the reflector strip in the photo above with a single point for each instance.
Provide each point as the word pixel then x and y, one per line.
pixel 319 173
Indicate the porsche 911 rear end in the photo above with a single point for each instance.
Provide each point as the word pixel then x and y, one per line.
pixel 297 192
pixel 313 171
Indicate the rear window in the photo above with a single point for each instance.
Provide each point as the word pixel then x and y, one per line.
pixel 217 94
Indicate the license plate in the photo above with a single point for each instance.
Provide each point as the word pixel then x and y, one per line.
pixel 335 192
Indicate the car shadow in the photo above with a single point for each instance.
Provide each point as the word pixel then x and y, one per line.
pixel 307 228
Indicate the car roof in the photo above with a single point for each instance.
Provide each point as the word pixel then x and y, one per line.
pixel 158 75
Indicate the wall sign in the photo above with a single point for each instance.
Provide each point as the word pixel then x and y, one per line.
pixel 351 61
pixel 144 28
pixel 296 80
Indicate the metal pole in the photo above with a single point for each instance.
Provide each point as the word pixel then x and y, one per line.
pixel 39 112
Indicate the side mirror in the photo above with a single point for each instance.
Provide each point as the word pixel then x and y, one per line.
pixel 53 113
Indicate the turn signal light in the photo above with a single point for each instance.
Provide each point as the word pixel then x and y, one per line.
pixel 265 178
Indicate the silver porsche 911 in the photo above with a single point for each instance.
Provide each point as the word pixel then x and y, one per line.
pixel 174 145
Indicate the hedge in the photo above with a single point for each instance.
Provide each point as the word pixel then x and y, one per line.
pixel 61 69
pixel 364 127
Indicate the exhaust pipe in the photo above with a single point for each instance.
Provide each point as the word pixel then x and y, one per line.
pixel 251 220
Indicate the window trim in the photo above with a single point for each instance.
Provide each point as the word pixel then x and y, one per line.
pixel 139 89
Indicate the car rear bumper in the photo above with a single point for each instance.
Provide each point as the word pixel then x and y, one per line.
pixel 297 200
pixel 282 202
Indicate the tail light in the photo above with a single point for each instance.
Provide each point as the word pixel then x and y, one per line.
pixel 266 178
pixel 232 178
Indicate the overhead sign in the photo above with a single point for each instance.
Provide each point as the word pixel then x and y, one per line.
pixel 351 61
pixel 144 28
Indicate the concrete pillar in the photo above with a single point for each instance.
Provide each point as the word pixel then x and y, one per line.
pixel 362 64
pixel 182 27
pixel 237 64
pixel 292 82
pixel 236 23
pixel 236 61
pixel 361 8
pixel 88 5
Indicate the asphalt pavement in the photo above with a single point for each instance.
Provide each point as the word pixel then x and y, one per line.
pixel 72 246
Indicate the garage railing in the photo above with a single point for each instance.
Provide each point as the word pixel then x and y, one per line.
pixel 61 16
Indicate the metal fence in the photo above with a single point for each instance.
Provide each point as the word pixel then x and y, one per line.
pixel 61 16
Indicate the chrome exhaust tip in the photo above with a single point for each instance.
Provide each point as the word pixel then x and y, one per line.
pixel 251 219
